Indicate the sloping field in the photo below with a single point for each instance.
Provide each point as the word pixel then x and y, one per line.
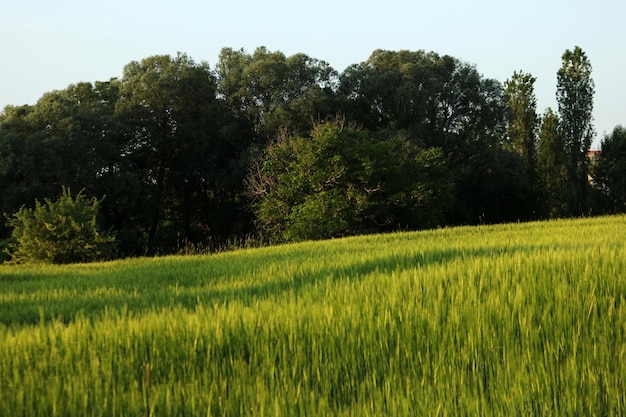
pixel 524 319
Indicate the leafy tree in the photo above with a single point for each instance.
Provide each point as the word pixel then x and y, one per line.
pixel 32 161
pixel 167 154
pixel 522 129
pixel 61 231
pixel 173 143
pixel 343 181
pixel 522 117
pixel 438 102
pixel 609 172
pixel 575 90
pixel 72 137
pixel 18 169
pixel 169 144
pixel 552 166
pixel 274 92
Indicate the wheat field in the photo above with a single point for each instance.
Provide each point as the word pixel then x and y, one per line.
pixel 518 319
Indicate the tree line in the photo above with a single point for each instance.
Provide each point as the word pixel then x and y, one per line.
pixel 276 148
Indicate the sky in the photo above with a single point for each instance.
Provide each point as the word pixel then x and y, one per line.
pixel 48 45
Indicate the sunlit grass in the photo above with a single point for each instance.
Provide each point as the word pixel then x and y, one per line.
pixel 524 319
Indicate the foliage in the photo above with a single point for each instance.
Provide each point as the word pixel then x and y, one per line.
pixel 72 137
pixel 609 172
pixel 495 189
pixel 439 101
pixel 342 181
pixel 275 92
pixel 522 116
pixel 171 141
pixel 61 231
pixel 170 106
pixel 575 90
pixel 521 319
pixel 551 165
pixel 187 151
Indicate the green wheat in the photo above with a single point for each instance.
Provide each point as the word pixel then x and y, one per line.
pixel 523 319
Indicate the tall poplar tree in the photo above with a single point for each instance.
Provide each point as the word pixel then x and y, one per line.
pixel 575 90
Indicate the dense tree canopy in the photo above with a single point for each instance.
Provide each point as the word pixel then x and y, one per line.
pixel 438 100
pixel 283 147
pixel 170 107
pixel 274 92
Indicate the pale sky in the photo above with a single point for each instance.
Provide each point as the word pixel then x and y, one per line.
pixel 47 45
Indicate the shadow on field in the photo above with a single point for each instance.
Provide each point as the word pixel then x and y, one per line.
pixel 297 282
pixel 300 280
pixel 160 288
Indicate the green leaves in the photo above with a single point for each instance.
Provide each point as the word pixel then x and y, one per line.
pixel 342 181
pixel 575 90
pixel 170 142
pixel 609 173
pixel 522 115
pixel 61 231
pixel 275 92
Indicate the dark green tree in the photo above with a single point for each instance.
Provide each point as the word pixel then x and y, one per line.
pixel 169 156
pixel 72 137
pixel 575 90
pixel 84 130
pixel 436 101
pixel 174 143
pixel 343 181
pixel 522 117
pixel 522 130
pixel 609 172
pixel 22 155
pixel 274 92
pixel 62 231
pixel 552 167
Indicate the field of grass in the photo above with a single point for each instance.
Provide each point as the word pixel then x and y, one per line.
pixel 523 319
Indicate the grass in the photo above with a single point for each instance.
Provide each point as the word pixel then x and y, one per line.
pixel 522 319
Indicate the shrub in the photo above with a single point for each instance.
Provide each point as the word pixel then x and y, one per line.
pixel 343 181
pixel 61 231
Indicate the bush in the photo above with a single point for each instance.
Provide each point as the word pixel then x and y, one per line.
pixel 343 181
pixel 63 231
